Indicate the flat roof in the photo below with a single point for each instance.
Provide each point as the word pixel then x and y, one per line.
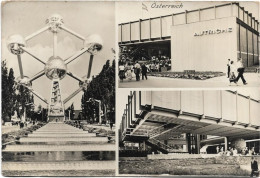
pixel 221 5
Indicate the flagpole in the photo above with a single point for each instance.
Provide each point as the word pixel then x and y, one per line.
pixel 142 11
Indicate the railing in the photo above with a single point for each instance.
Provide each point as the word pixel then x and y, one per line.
pixel 156 131
pixel 160 144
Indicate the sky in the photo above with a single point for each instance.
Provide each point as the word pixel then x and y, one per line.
pixel 131 11
pixel 85 18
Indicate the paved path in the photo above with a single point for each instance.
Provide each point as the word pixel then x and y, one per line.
pixel 8 129
pixel 252 79
pixel 58 137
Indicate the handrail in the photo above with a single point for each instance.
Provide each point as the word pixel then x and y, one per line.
pixel 162 145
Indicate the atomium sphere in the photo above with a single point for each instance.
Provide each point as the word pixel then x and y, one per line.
pixel 84 85
pixel 55 68
pixel 94 43
pixel 55 21
pixel 14 42
pixel 24 81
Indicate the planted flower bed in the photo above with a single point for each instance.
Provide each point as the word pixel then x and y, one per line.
pixel 15 135
pixel 183 75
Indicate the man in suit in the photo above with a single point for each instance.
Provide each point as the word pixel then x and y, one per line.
pixel 254 167
pixel 240 70
pixel 228 65
pixel 144 72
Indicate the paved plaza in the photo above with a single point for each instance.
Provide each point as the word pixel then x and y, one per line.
pixel 252 79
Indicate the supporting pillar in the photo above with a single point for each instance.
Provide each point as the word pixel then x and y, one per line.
pixel 20 65
pixel 198 144
pixel 56 107
pixel 188 143
pixel 55 43
pixel 226 143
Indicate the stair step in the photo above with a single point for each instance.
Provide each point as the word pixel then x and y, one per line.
pixel 60 173
pixel 60 132
pixel 62 135
pixel 29 148
pixel 64 139
pixel 69 165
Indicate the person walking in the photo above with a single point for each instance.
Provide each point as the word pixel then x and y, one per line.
pixel 240 70
pixel 228 69
pixel 254 167
pixel 121 72
pixel 233 72
pixel 111 125
pixel 144 72
pixel 137 71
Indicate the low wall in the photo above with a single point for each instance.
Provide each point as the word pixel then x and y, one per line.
pixel 220 165
pixel 236 160
pixel 228 160
pixel 180 156
pixel 132 158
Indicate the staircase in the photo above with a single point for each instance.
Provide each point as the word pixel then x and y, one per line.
pixel 162 130
pixel 158 145
pixel 58 149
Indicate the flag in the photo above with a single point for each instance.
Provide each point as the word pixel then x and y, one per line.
pixel 144 7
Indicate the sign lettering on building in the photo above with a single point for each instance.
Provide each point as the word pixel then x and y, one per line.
pixel 211 32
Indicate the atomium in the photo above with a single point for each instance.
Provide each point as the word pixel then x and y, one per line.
pixel 14 43
pixel 55 21
pixel 84 85
pixel 55 68
pixel 94 43
pixel 24 81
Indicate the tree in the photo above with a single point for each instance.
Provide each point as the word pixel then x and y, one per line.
pixel 102 88
pixel 25 101
pixel 72 112
pixel 8 92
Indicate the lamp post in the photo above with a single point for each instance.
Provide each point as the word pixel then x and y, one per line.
pixel 99 109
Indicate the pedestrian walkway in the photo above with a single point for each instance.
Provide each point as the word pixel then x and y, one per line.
pixel 55 147
pixel 253 80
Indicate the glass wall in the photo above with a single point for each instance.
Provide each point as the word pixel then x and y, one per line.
pixel 250 49
pixel 247 46
pixel 256 52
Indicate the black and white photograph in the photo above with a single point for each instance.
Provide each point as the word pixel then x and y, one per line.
pixel 193 133
pixel 188 44
pixel 58 88
pixel 130 88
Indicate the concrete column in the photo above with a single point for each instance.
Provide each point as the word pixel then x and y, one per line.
pixel 188 143
pixel 197 142
pixel 144 145
pixel 226 143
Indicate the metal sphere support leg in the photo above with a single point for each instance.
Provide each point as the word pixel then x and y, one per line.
pixel 90 65
pixel 20 65
pixel 55 43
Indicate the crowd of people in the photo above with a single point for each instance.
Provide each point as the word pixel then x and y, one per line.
pixel 129 70
pixel 233 151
